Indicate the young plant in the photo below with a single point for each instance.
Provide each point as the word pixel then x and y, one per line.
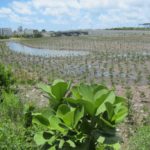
pixel 6 78
pixel 86 118
pixel 11 106
pixel 55 92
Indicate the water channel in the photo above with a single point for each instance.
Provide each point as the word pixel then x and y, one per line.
pixel 20 48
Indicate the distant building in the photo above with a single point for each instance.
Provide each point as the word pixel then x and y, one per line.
pixel 5 32
pixel 145 25
pixel 46 34
pixel 20 29
pixel 28 31
pixel 69 33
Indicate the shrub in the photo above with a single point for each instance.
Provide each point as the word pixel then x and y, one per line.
pixel 4 37
pixel 13 134
pixel 82 117
pixel 11 106
pixel 6 78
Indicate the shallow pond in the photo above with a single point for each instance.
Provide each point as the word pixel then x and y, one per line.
pixel 20 48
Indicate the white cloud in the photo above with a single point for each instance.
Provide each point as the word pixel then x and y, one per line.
pixel 22 7
pixel 117 17
pixel 55 8
pixel 59 20
pixel 13 16
pixel 86 21
pixel 8 13
pixel 55 3
pixel 90 4
pixel 5 12
pixel 80 12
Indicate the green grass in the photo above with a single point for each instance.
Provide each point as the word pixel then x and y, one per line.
pixel 13 134
pixel 141 139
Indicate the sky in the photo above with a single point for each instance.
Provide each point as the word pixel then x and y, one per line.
pixel 55 15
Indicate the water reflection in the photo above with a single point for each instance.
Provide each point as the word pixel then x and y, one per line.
pixel 20 48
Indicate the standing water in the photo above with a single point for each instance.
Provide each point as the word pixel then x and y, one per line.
pixel 20 48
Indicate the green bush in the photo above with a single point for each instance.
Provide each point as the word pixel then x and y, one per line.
pixel 141 139
pixel 6 78
pixel 4 37
pixel 13 134
pixel 11 106
pixel 82 117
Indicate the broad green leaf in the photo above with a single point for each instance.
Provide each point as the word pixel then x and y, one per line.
pixel 75 93
pixel 40 119
pixel 89 107
pixel 39 139
pixel 73 100
pixel 101 147
pixel 82 90
pixel 48 134
pixel 110 98
pixel 101 140
pixel 99 87
pixel 100 103
pixel 86 92
pixel 116 146
pixel 59 90
pixel 119 117
pixel 47 112
pixel 90 97
pixel 79 113
pixel 107 122
pixel 52 148
pixel 71 143
pixel 120 100
pixel 57 81
pixel 61 81
pixel 63 109
pixel 66 114
pixel 56 91
pixel 100 93
pixel 46 88
pixel 55 124
pixel 52 140
pixel 117 107
pixel 61 143
pixel 110 110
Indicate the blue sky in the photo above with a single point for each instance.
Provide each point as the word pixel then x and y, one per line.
pixel 73 14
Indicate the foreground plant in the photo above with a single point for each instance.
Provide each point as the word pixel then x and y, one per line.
pixel 82 117
pixel 6 78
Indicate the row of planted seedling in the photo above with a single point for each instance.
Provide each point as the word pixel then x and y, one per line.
pixel 95 66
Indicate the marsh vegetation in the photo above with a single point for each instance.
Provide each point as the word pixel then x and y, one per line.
pixel 120 61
